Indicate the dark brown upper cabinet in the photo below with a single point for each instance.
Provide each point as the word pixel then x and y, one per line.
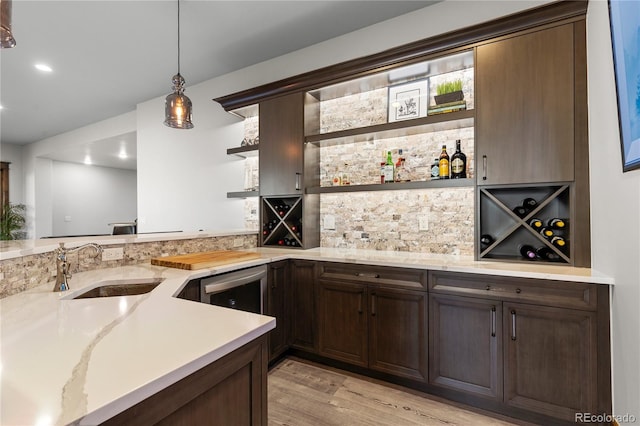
pixel 525 108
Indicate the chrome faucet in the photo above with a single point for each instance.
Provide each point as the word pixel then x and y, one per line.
pixel 63 267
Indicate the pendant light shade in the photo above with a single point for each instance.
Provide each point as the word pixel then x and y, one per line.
pixel 177 106
pixel 6 38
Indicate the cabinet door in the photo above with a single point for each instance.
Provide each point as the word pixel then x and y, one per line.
pixel 465 345
pixel 550 360
pixel 525 108
pixel 398 332
pixel 276 307
pixel 342 322
pixel 303 308
pixel 281 145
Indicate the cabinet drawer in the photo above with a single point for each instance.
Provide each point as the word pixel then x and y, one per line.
pixel 375 275
pixel 528 290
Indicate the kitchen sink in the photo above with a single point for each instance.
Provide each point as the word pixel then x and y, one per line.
pixel 121 288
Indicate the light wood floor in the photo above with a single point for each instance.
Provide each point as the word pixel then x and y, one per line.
pixel 302 393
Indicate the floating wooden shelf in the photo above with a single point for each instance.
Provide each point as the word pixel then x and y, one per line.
pixel 439 183
pixel 244 151
pixel 243 194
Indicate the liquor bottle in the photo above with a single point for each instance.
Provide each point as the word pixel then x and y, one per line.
pixel 383 163
pixel 520 211
pixel 400 172
pixel 558 241
pixel 545 253
pixel 435 169
pixel 546 232
pixel 527 251
pixel 443 162
pixel 529 203
pixel 535 223
pixel 486 240
pixel 458 163
pixel 344 176
pixel 388 169
pixel 556 223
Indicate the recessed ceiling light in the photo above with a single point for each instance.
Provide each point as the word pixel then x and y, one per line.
pixel 123 155
pixel 43 67
pixel 87 160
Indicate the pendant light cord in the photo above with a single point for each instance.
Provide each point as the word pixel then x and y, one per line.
pixel 178 36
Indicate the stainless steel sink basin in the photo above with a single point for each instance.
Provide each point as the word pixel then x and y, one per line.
pixel 121 288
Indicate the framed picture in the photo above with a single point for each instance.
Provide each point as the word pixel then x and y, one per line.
pixel 407 101
pixel 625 27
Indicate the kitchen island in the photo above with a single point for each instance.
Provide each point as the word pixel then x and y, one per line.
pixel 86 361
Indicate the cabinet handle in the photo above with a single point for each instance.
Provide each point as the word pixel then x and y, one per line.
pixel 518 290
pixel 373 304
pixel 493 321
pixel 365 275
pixel 360 303
pixel 488 287
pixel 513 325
pixel 297 181
pixel 484 167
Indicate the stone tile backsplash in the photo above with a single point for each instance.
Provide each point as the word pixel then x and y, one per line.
pixel 24 273
pixel 389 220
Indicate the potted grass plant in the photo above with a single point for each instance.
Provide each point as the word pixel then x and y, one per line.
pixel 449 91
pixel 12 220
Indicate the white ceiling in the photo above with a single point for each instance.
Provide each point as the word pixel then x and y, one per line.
pixel 108 56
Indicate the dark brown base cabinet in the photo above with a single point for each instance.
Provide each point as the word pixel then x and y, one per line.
pixel 532 346
pixel 276 306
pixel 230 391
pixel 366 318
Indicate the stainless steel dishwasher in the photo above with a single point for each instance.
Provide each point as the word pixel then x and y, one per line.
pixel 243 290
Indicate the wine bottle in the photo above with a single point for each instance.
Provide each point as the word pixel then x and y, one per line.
pixel 546 232
pixel 545 253
pixel 486 239
pixel 529 203
pixel 400 173
pixel 443 162
pixel 520 211
pixel 435 169
pixel 558 241
pixel 527 251
pixel 388 169
pixel 535 223
pixel 458 163
pixel 556 223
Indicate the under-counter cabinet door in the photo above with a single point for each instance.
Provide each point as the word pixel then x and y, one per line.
pixel 525 108
pixel 398 332
pixel 277 303
pixel 303 305
pixel 342 322
pixel 465 345
pixel 550 360
pixel 281 145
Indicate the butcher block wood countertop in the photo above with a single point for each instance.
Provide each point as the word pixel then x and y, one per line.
pixel 204 260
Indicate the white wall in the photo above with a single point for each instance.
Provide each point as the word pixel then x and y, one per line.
pixel 183 176
pixel 13 154
pixel 615 213
pixel 85 199
pixel 37 171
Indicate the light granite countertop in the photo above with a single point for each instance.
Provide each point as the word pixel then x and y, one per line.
pixel 85 360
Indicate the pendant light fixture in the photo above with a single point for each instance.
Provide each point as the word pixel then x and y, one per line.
pixel 177 106
pixel 6 38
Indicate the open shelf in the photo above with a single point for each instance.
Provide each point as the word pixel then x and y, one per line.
pixel 438 183
pixel 244 151
pixel 431 123
pixel 282 222
pixel 243 194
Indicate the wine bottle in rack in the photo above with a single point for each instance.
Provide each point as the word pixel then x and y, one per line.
pixel 557 223
pixel 547 232
pixel 527 251
pixel 558 241
pixel 535 223
pixel 486 240
pixel 520 211
pixel 545 253
pixel 529 203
